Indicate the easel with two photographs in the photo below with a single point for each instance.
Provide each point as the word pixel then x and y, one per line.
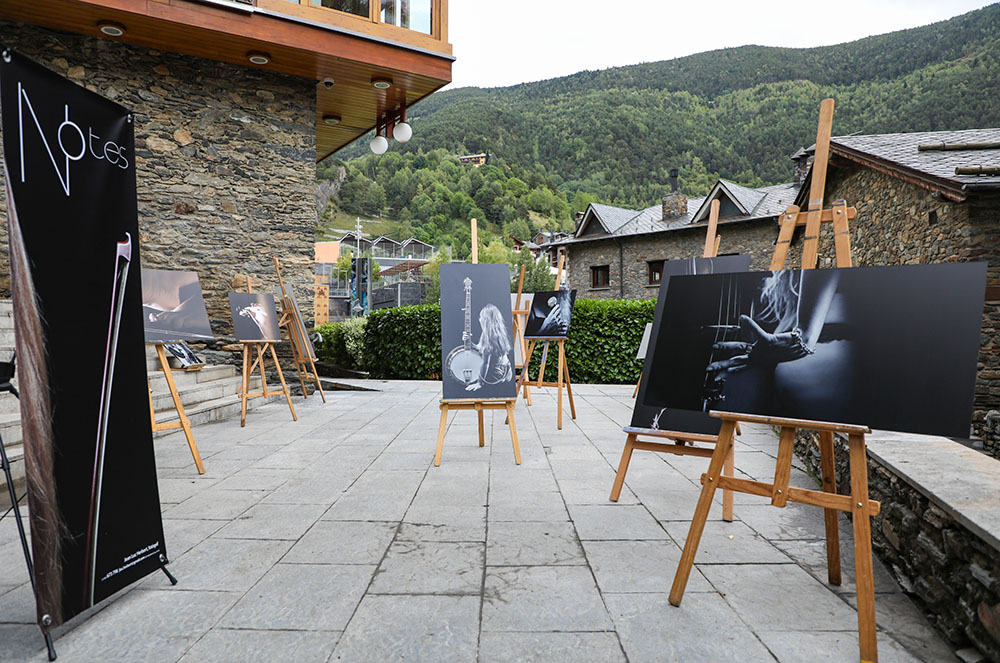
pixel 680 444
pixel 562 372
pixel 302 352
pixel 479 405
pixel 260 349
pixel 858 503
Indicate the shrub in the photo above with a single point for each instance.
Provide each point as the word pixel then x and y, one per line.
pixel 404 342
pixel 604 337
pixel 343 343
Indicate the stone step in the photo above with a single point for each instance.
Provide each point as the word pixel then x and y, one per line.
pixel 158 382
pixel 194 394
pixel 214 410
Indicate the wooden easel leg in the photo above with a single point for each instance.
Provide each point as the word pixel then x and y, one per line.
pixel 701 512
pixel 281 378
pixel 864 574
pixel 297 358
pixel 728 468
pixel 569 387
pixel 635 392
pixel 616 487
pixel 829 472
pixel 179 406
pixel 245 385
pixel 559 383
pixel 513 432
pixel 482 433
pixel 525 373
pixel 260 362
pixel 319 386
pixel 152 414
pixel 441 428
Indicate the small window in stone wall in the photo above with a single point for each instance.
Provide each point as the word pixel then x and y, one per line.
pixel 600 276
pixel 931 217
pixel 655 272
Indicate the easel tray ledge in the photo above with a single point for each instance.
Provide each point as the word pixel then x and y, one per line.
pixel 793 423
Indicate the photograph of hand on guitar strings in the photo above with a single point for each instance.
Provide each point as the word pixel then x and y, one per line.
pixel 254 317
pixel 550 314
pixel 893 348
pixel 477 340
pixel 651 414
pixel 173 308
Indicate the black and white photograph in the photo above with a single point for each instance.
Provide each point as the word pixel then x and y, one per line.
pixel 649 412
pixel 254 317
pixel 550 314
pixel 477 340
pixel 173 308
pixel 644 343
pixel 183 354
pixel 892 348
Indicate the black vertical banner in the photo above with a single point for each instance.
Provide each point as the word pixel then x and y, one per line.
pixel 69 158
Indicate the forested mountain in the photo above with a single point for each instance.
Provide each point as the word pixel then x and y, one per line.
pixel 736 113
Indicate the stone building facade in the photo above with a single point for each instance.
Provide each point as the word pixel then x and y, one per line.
pixel 225 161
pixel 629 257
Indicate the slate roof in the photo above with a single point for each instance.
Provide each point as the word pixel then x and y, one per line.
pixel 933 168
pixel 747 198
pixel 770 202
pixel 612 218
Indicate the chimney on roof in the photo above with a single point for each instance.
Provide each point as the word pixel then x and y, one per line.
pixel 802 160
pixel 675 203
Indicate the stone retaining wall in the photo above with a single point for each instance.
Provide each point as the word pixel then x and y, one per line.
pixel 225 161
pixel 951 570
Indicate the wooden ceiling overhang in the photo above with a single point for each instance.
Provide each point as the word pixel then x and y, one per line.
pixel 349 50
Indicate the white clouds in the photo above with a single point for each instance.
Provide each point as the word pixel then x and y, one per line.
pixel 515 41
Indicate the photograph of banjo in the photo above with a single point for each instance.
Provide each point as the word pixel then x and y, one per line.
pixel 486 362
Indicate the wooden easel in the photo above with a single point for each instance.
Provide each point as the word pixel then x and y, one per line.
pixel 250 364
pixel 477 404
pixel 182 420
pixel 712 240
pixel 562 372
pixel 861 507
pixel 680 444
pixel 300 346
pixel 520 319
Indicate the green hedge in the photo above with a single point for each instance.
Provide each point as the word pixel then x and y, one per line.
pixel 603 339
pixel 405 342
pixel 343 343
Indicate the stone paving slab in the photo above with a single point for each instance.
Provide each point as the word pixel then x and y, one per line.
pixel 334 539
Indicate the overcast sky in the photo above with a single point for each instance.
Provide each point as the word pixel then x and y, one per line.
pixel 516 41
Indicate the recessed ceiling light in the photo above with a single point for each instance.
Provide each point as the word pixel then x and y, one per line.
pixel 332 120
pixel 258 57
pixel 111 29
pixel 382 83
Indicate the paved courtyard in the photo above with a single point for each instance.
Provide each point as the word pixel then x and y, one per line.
pixel 335 539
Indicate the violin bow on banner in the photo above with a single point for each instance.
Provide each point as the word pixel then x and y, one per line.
pixel 123 258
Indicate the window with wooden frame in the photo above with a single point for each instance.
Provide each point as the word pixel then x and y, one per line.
pixel 600 276
pixel 655 271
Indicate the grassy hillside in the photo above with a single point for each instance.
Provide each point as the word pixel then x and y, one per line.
pixel 736 113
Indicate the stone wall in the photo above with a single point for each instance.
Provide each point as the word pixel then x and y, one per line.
pixel 225 160
pixel 952 571
pixel 629 278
